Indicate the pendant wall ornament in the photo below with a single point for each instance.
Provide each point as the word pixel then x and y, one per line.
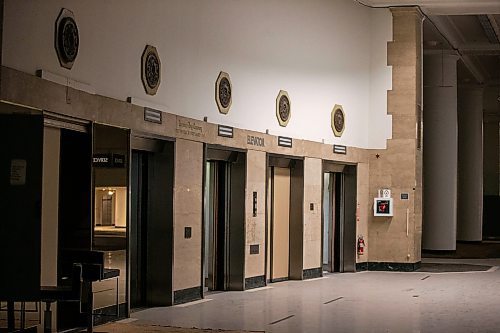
pixel 67 39
pixel 223 92
pixel 283 108
pixel 151 70
pixel 338 120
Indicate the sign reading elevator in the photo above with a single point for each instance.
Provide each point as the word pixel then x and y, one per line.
pixel 255 141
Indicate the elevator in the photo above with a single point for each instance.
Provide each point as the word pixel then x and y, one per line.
pixel 151 221
pixel 339 218
pixel 284 231
pixel 224 219
pixel 49 196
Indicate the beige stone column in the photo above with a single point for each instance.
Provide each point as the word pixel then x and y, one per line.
pixel 399 167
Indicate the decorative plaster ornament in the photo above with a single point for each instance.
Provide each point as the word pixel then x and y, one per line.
pixel 151 70
pixel 283 108
pixel 67 38
pixel 338 120
pixel 223 92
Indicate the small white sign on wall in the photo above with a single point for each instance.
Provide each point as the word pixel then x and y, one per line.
pixel 18 172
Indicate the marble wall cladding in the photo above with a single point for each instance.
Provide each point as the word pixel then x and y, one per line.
pixel 188 213
pixel 399 167
pixel 312 217
pixel 255 225
pixel 364 208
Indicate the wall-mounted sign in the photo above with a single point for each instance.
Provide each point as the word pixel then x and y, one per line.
pixel 151 70
pixel 102 160
pixel 152 115
pixel 223 92
pixel 67 39
pixel 339 149
pixel 254 249
pixel 108 160
pixel 283 141
pixel 382 207
pixel 118 160
pixel 189 127
pixel 283 108
pixel 405 196
pixel 255 141
pixel 18 172
pixel 384 193
pixel 338 120
pixel 225 131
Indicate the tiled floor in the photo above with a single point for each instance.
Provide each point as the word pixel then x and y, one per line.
pixel 357 302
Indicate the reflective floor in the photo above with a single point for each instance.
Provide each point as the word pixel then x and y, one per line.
pixel 359 302
pixel 105 291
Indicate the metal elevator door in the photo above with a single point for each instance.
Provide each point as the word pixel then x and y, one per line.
pixel 333 226
pixel 217 233
pixel 280 226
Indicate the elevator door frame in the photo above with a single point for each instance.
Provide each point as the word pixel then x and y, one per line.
pixel 296 216
pixel 164 147
pixel 236 220
pixel 347 223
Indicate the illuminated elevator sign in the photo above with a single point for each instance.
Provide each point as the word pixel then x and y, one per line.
pixel 255 141
pixel 283 141
pixel 225 131
pixel 102 160
pixel 118 160
pixel 338 149
pixel 153 116
pixel 108 160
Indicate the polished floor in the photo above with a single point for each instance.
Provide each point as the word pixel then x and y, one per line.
pixel 431 301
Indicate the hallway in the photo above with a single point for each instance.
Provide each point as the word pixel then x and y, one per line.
pixel 359 302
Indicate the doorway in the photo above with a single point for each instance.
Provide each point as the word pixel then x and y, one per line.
pixel 285 193
pixel 151 222
pixel 339 218
pixel 224 220
pixel 333 217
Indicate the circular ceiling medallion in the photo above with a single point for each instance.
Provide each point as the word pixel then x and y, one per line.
pixel 338 120
pixel 223 92
pixel 283 108
pixel 67 40
pixel 151 70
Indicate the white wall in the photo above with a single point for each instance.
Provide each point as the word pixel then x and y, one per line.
pixel 323 52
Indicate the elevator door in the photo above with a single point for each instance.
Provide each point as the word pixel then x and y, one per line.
pixel 216 223
pixel 280 226
pixel 138 229
pixel 151 227
pixel 333 222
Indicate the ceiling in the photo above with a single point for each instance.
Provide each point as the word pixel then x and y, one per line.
pixel 468 28
pixel 442 7
pixel 475 38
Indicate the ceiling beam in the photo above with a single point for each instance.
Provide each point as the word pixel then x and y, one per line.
pixel 479 49
pixel 443 7
pixel 448 28
pixel 494 25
